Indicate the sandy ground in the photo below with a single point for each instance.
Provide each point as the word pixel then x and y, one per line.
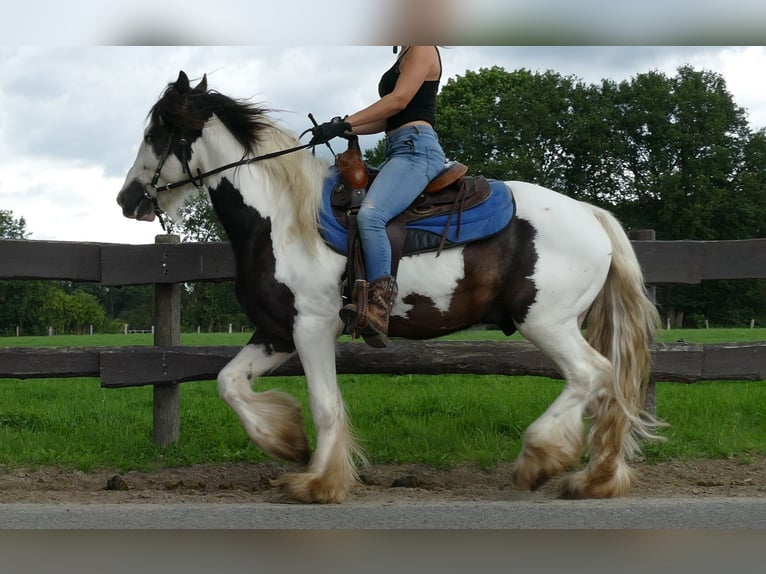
pixel 250 483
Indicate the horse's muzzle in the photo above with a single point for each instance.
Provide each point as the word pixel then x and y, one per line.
pixel 134 203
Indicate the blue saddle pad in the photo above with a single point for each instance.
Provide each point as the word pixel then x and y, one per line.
pixel 479 222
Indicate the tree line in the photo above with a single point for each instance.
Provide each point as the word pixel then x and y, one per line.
pixel 673 153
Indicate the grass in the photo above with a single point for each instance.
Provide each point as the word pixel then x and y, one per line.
pixel 711 419
pixel 439 420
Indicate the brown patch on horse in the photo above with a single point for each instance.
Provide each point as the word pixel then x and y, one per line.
pixel 496 288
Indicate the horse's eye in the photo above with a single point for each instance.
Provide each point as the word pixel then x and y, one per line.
pixel 148 139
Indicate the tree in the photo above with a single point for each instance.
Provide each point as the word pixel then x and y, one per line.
pixel 593 164
pixel 375 155
pixel 508 125
pixel 751 184
pixel 198 221
pixel 71 313
pixel 210 306
pixel 19 300
pixel 11 227
pixel 20 304
pixel 681 145
pixel 84 311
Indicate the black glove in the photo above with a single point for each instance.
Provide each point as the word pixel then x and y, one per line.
pixel 329 130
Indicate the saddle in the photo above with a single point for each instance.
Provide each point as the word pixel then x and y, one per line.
pixel 451 192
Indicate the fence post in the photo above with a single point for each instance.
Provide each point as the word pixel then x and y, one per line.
pixel 651 392
pixel 167 333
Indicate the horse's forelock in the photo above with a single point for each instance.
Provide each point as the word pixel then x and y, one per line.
pixel 175 110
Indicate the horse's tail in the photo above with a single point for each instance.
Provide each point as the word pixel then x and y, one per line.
pixel 621 326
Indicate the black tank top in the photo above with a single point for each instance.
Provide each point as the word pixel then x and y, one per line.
pixel 423 104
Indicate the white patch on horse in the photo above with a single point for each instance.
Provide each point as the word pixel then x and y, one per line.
pixel 572 271
pixel 429 276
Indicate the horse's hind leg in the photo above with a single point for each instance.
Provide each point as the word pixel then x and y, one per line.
pixel 332 471
pixel 271 419
pixel 607 473
pixel 554 442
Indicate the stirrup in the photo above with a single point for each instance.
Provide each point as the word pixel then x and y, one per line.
pixel 354 314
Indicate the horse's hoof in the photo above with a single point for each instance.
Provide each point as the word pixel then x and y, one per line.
pixel 311 488
pixel 282 415
pixel 524 480
pixel 536 465
pixel 581 484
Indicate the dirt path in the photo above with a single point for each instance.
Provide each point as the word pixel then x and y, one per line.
pixel 247 483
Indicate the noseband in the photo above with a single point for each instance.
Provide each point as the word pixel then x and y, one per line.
pixel 197 180
pixel 163 158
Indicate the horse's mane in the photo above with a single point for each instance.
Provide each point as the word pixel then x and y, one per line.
pixel 300 172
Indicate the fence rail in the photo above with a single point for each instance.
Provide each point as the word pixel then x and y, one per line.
pixel 168 263
pixel 120 367
pixel 113 264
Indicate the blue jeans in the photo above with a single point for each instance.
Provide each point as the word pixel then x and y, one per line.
pixel 414 157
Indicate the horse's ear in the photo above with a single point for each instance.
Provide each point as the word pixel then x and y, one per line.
pixel 202 86
pixel 182 83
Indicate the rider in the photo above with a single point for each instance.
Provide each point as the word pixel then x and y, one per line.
pixel 406 112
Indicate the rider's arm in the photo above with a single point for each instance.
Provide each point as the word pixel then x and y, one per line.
pixel 369 128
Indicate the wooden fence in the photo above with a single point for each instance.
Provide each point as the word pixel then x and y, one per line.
pixel 168 263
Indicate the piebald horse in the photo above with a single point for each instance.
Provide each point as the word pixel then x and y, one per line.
pixel 557 265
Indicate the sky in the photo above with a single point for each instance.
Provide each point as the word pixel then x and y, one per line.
pixel 73 105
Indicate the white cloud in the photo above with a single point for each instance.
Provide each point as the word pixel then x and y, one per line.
pixel 62 201
pixel 743 67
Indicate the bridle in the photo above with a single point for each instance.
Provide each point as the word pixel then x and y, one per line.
pixel 197 180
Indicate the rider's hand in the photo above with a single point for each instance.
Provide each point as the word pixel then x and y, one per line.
pixel 329 130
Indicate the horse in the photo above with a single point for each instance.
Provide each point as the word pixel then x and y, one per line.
pixel 562 273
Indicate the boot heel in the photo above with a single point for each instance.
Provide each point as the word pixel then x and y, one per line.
pixel 374 338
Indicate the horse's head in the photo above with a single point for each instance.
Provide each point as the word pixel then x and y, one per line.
pixel 196 134
pixel 166 154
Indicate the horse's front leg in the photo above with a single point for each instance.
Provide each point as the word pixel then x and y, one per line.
pixel 332 472
pixel 272 419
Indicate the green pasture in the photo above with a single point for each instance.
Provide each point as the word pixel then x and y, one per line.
pixel 439 420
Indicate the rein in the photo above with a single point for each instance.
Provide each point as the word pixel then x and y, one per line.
pixel 197 180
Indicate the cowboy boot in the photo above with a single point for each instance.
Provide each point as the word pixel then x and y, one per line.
pixel 383 292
